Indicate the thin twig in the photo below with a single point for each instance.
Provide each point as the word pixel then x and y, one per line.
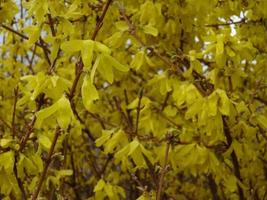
pixel 213 187
pixel 237 173
pixel 30 126
pixel 128 111
pixel 16 92
pixel 32 58
pixel 101 19
pixel 132 31
pixel 165 101
pixel 227 23
pixel 201 83
pixel 51 25
pixel 46 53
pixel 138 110
pixel 79 65
pixel 24 37
pixel 20 183
pixel 47 163
pixel 163 171
pixel 119 108
pixel 74 176
pixel 5 123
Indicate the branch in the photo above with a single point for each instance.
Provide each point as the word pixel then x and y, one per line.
pixel 237 173
pixel 262 100
pixel 24 37
pixel 101 19
pixel 213 188
pixel 6 124
pixel 79 65
pixel 47 163
pixel 128 111
pixel 30 126
pixel 164 168
pixel 201 83
pixel 242 21
pixel 123 117
pixel 16 92
pixel 165 101
pixel 51 25
pixel 74 178
pixel 132 31
pixel 32 58
pixel 138 111
pixel 20 183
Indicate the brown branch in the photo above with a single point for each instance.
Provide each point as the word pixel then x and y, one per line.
pixel 242 21
pixel 213 187
pixel 165 101
pixel 74 177
pixel 201 83
pixel 79 65
pixel 163 170
pixel 46 53
pixel 101 19
pixel 262 100
pixel 47 163
pixel 32 58
pixel 166 118
pixel 20 183
pixel 30 126
pixel 109 158
pixel 101 121
pixel 151 170
pixel 138 110
pixel 24 37
pixel 132 31
pixel 128 111
pixel 16 92
pixel 119 108
pixel 51 25
pixel 6 124
pixel 237 173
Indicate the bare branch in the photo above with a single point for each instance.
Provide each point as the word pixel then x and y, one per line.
pixel 47 163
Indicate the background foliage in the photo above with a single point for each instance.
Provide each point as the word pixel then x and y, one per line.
pixel 133 99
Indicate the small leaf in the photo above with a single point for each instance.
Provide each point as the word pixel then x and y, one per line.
pixel 102 48
pixel 92 75
pixel 5 142
pixel 116 64
pixel 105 69
pixel 212 104
pixel 7 161
pixel 220 45
pixel 34 33
pixel 122 25
pixel 100 185
pixel 64 114
pixel 89 92
pixel 65 172
pixel 44 141
pixel 224 102
pixel 262 120
pixel 106 134
pixel 138 60
pixel 151 30
pixel 45 113
pixel 72 46
pixel 133 145
pixel 87 53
